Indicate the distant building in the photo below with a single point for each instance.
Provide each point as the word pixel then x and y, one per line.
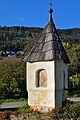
pixel 20 53
pixel 47 70
pixel 10 53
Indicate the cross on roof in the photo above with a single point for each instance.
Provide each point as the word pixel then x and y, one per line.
pixel 50 4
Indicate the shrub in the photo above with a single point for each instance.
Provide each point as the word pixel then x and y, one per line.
pixel 70 111
pixel 24 108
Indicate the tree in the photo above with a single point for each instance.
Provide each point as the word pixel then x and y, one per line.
pixel 74 55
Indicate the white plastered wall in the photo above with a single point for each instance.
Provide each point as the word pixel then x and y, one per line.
pixel 59 82
pixel 41 96
pixel 65 69
pixel 61 93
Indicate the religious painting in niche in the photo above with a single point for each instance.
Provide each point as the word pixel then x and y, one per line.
pixel 41 78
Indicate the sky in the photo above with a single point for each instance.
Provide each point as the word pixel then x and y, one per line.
pixel 34 13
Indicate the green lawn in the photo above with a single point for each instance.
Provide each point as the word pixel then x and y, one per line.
pixel 74 94
pixel 12 100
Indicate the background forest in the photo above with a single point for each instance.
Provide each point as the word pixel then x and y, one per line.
pixel 15 43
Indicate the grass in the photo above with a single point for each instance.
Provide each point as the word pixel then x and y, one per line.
pixel 12 100
pixel 24 108
pixel 74 94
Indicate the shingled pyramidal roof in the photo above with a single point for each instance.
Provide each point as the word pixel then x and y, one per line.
pixel 48 47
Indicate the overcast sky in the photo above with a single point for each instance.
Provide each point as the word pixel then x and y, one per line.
pixel 34 13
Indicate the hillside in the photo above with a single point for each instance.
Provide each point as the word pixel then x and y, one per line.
pixel 70 35
pixel 18 38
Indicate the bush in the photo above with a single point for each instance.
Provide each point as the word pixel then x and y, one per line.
pixel 24 108
pixel 70 112
pixel 12 78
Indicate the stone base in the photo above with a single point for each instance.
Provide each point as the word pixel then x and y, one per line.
pixel 41 108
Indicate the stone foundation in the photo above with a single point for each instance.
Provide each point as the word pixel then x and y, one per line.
pixel 41 108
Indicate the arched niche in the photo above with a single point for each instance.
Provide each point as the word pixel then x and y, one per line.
pixel 41 78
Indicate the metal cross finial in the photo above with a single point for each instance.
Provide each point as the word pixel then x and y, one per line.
pixel 50 11
pixel 50 4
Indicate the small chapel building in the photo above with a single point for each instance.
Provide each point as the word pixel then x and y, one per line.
pixel 47 70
